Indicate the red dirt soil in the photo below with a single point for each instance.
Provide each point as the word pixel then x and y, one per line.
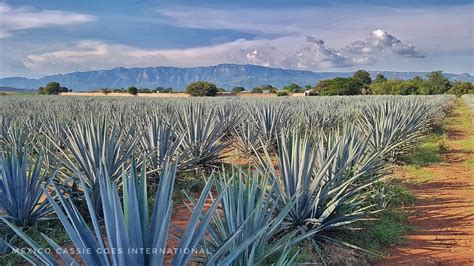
pixel 443 216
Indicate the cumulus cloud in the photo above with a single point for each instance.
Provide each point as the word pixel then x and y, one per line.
pixel 437 27
pixel 22 18
pixel 382 42
pixel 316 55
pixel 312 54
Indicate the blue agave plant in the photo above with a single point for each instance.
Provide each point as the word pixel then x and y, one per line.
pixel 22 197
pixel 128 225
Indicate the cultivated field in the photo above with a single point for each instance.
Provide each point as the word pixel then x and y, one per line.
pixel 227 180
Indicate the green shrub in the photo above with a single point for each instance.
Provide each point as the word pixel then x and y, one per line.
pixel 339 86
pixel 53 88
pixel 105 91
pixel 293 87
pixel 460 88
pixel 201 88
pixel 238 89
pixel 132 90
pixel 144 90
pixel 282 93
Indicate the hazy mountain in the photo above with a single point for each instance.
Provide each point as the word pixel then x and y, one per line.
pixel 224 75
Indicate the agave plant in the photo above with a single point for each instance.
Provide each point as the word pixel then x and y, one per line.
pixel 15 135
pixel 269 121
pixel 203 134
pixel 245 232
pixel 95 143
pixel 128 225
pixel 328 179
pixel 22 199
pixel 246 138
pixel 392 127
pixel 161 143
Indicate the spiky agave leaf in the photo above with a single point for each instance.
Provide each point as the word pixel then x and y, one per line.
pixel 128 227
pixel 21 187
pixel 326 178
pixel 95 143
pixel 160 142
pixel 203 134
pixel 392 126
pixel 269 121
pixel 246 137
pixel 244 233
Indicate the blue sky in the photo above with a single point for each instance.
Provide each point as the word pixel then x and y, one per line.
pixel 48 37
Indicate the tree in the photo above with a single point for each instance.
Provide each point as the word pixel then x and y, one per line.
pixel 339 86
pixel 282 93
pixel 380 78
pixel 384 88
pixel 406 87
pixel 144 90
pixel 268 88
pixel 201 88
pixel 105 91
pixel 220 89
pixel 158 89
pixel 308 87
pixel 422 85
pixel 257 90
pixel 363 76
pixel 293 87
pixel 167 90
pixel 52 88
pixel 238 89
pixel 459 88
pixel 132 90
pixel 437 82
pixel 163 90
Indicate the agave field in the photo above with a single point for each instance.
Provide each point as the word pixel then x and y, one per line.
pixel 107 170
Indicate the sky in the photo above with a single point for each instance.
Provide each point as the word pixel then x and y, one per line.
pixel 39 38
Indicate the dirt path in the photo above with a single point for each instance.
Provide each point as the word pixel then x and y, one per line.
pixel 443 216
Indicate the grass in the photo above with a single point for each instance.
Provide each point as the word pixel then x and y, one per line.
pixel 399 195
pixel 428 152
pixel 470 164
pixel 420 174
pixel 53 229
pixel 192 181
pixel 389 227
pixel 463 119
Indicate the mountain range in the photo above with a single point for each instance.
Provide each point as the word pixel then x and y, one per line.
pixel 224 75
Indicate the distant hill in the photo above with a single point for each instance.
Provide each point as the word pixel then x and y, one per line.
pixel 9 89
pixel 224 75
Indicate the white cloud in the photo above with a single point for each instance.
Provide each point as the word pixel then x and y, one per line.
pixel 431 28
pixel 22 18
pixel 316 55
pixel 381 42
pixel 312 54
pixel 93 55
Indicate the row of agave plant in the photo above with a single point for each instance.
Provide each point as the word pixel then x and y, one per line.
pixel 91 164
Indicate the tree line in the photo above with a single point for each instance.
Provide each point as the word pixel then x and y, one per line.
pixel 360 83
